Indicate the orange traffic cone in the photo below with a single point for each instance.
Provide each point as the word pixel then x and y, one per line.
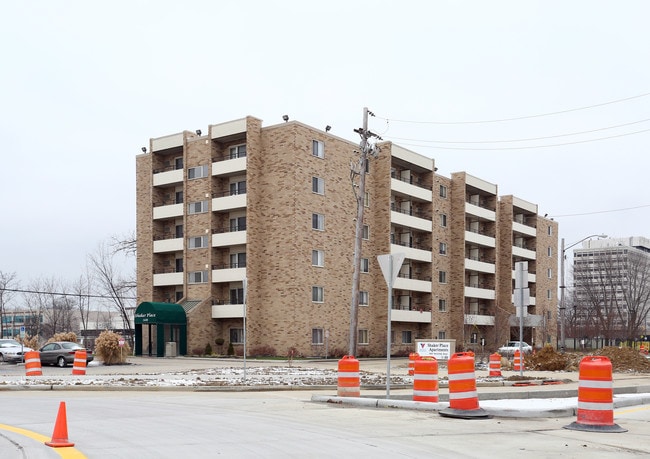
pixel 60 435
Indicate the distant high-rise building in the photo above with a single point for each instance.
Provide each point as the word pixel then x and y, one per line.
pixel 273 208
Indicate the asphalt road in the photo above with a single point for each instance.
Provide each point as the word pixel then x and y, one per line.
pixel 281 424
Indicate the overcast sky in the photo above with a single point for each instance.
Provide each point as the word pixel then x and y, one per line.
pixel 84 85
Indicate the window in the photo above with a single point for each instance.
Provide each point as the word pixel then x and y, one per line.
pixel 363 336
pixel 198 207
pixel 549 272
pixel 317 294
pixel 365 234
pixel 238 188
pixel 197 172
pixel 318 185
pixel 238 151
pixel 443 191
pixel 178 197
pixel 178 162
pixel 179 265
pixel 549 294
pixel 363 298
pixel 317 258
pixel 318 148
pixel 473 339
pixel 179 231
pixel 179 295
pixel 549 251
pixel 318 222
pixel 198 242
pixel 443 220
pixel 442 305
pixel 442 334
pixel 366 199
pixel 236 296
pixel 238 260
pixel 237 335
pixel 238 224
pixel 407 337
pixel 442 277
pixel 550 230
pixel 317 336
pixel 443 248
pixel 365 265
pixel 197 277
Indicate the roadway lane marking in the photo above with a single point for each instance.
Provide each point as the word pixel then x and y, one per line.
pixel 633 410
pixel 66 452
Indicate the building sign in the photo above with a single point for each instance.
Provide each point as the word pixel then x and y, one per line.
pixel 441 350
pixel 145 317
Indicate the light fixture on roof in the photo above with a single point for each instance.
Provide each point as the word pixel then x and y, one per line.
pixel 144 149
pixel 327 128
pixel 198 132
pixel 285 118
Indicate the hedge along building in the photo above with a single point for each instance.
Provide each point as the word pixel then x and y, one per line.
pixel 274 206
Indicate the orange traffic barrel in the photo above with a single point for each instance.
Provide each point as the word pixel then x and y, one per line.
pixel 33 363
pixel 495 365
pixel 425 380
pixel 518 364
pixel 595 397
pixel 79 365
pixel 348 377
pixel 463 397
pixel 413 356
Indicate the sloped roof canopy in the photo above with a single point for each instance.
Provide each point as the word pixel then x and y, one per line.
pixel 151 312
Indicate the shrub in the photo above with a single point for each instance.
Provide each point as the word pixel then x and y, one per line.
pixel 262 351
pixel 68 336
pixel 29 341
pixel 219 341
pixel 198 351
pixel 108 349
pixel 208 349
pixel 337 352
pixel 231 349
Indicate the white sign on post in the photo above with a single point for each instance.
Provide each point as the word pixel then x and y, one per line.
pixel 441 350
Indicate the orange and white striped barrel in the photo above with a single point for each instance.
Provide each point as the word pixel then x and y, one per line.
pixel 495 365
pixel 518 361
pixel 348 377
pixel 463 397
pixel 79 365
pixel 595 396
pixel 33 363
pixel 413 356
pixel 425 380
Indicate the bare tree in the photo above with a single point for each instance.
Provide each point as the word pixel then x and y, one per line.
pixel 7 281
pixel 117 289
pixel 83 288
pixel 126 243
pixel 634 286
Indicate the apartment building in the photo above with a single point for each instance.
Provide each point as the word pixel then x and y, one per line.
pixel 611 294
pixel 270 212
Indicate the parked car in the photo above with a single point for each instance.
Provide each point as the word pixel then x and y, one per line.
pixel 12 351
pixel 61 353
pixel 511 346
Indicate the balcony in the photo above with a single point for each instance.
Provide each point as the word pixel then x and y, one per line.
pixel 166 279
pixel 228 239
pixel 414 285
pixel 228 311
pixel 227 167
pixel 227 274
pixel 168 211
pixel 523 253
pixel 228 129
pixel 226 201
pixel 168 178
pixel 480 212
pixel 410 221
pixel 524 229
pixel 479 319
pixel 168 245
pixel 411 252
pixel 478 292
pixel 406 188
pixel 405 315
pixel 479 266
pixel 480 239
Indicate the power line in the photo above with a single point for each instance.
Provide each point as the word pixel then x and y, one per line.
pixel 85 295
pixel 529 147
pixel 526 139
pixel 520 117
pixel 601 211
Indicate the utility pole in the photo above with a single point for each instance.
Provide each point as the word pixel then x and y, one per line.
pixel 359 170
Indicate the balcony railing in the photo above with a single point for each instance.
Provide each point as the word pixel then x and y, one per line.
pixel 412 212
pixel 412 181
pixel 229 266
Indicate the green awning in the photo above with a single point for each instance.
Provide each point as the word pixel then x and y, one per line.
pixel 160 313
